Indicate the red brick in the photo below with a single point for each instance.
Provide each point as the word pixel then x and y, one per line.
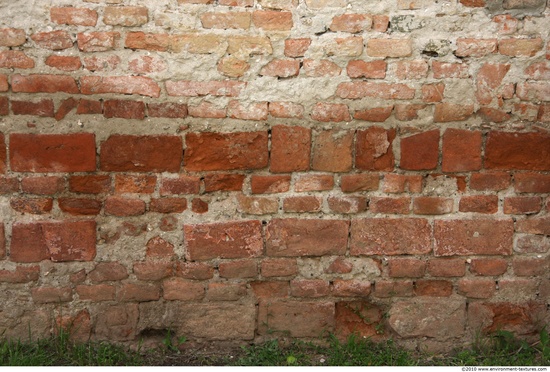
pixel 473 3
pixel 138 292
pixel 380 22
pixel 97 41
pixel 58 241
pixel 390 205
pixel 153 42
pixel 376 114
pixel 168 205
pixel 65 107
pixel 432 205
pixel 80 206
pixel 73 16
pixel 91 184
pixel 540 226
pixel 269 290
pixel 479 204
pixel 433 288
pixel 182 290
pixel 296 47
pixel 432 93
pixel 298 237
pixel 227 88
pixel 52 152
pixel 353 23
pixel 520 47
pixel 374 149
pixel 406 268
pixel 86 106
pixel 364 89
pixel 108 271
pixel 398 183
pixel 269 184
pixel 180 185
pixel 4 106
pixel 369 70
pixel 411 70
pixel 302 204
pixel 526 111
pixel 491 115
pixel 538 71
pixel 461 150
pixel 282 68
pixel 476 288
pixel 2 241
pixel 10 37
pixel 534 91
pixel 44 295
pixel 226 291
pixel 290 149
pixel 402 288
pixel 530 266
pixel 21 274
pixel 195 270
pixel 489 78
pixel 123 207
pixel 544 113
pixel 408 112
pixel 43 185
pixel 158 248
pixel 508 150
pixel 359 182
pixel 138 184
pixel 199 205
pixel 207 110
pixel 226 20
pixel 167 223
pixel 451 267
pixel 226 151
pixel 96 293
pixel 257 205
pixel 120 153
pixel 444 70
pixel 522 205
pixel 390 236
pixel 278 267
pixel 223 182
pixel 286 110
pixel 238 269
pixel 153 270
pixel 532 182
pixel 102 63
pixel 128 16
pixel 339 266
pixel 54 40
pixel 332 151
pixel 320 68
pixel 314 182
pixel 393 48
pixel 115 108
pixel 467 47
pixel 311 288
pixel 347 204
pixel 448 112
pixel 493 181
pixel 171 110
pixel 488 266
pixel 32 205
pixel 139 85
pixel 247 111
pixel 420 151
pixel 473 237
pixel 15 59
pixel 330 112
pixel 223 240
pixel 272 20
pixel 43 84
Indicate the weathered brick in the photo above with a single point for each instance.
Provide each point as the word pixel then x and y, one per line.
pixel 32 205
pixel 393 48
pixel 432 93
pixel 302 204
pixel 257 205
pixel 278 267
pixel 199 205
pixel 138 292
pixel 363 89
pixel 207 110
pixel 10 37
pixel 232 66
pixel 128 16
pixel 479 204
pixel 310 288
pixel 15 59
pixel 223 240
pixel 120 153
pixel 226 291
pixel 226 20
pixel 376 114
pixel 532 244
pixel 433 288
pixel 73 16
pixel 388 236
pixel 99 41
pixel 314 182
pixel 432 205
pixel 257 111
pixel 467 47
pixel 411 70
pixel 401 288
pixel 534 225
pixel 476 288
pixel 530 266
pixel 286 110
pixel 43 84
pixel 296 47
pixel 139 184
pixel 330 112
pixel 269 20
pixel 96 293
pixel 171 110
pixel 226 151
pixel 269 290
pixel 534 91
pixel 369 70
pixel 298 237
pixel 444 70
pixel 245 46
pixel 44 295
pixel 373 149
pixel 347 204
pixel 509 150
pixel 153 270
pixel 353 23
pixel 139 85
pixel 186 88
pixel 123 207
pixel 420 151
pixel 359 182
pixel 398 183
pixel 532 182
pixel 194 270
pixel 21 274
pixel 52 152
pixel 153 42
pixel 448 112
pixel 522 205
pixel 473 237
pixel 319 68
pixel 57 241
pixel 269 184
pixel 450 267
pixel 489 78
pixel 54 40
pixel 332 151
pixel 520 47
pixel 115 108
pixel 180 185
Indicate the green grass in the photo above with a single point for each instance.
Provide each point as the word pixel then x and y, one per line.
pixel 501 349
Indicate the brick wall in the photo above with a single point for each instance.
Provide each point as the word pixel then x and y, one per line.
pixel 244 169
